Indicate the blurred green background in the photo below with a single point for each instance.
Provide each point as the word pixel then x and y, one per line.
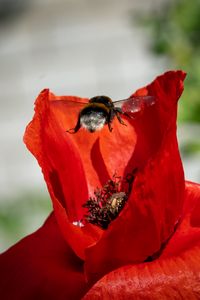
pixel 175 35
pixel 174 29
pixel 86 48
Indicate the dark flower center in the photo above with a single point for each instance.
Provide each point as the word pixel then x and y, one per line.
pixel 107 202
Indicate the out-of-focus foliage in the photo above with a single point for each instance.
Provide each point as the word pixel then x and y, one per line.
pixel 190 148
pixel 21 216
pixel 175 33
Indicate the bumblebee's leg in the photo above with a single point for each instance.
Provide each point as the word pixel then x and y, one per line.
pixel 76 128
pixel 117 113
pixel 120 119
pixel 110 127
pixel 109 119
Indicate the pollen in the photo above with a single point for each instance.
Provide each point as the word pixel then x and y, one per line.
pixel 108 202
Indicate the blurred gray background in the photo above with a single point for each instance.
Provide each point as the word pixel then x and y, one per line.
pixel 73 47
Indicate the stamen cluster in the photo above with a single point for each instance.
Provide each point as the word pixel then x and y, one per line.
pixel 108 201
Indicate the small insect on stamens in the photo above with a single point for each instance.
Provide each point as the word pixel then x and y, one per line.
pixel 113 203
pixel 117 202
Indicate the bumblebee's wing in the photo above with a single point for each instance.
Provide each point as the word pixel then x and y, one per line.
pixel 135 104
pixel 70 101
pixel 73 104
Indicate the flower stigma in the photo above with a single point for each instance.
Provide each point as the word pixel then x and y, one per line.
pixel 108 202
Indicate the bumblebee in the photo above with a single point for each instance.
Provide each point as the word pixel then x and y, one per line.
pixel 101 110
pixel 98 111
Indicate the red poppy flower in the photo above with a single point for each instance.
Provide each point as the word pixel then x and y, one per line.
pixel 151 249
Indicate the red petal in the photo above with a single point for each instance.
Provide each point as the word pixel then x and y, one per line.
pixel 155 203
pixel 62 168
pixel 42 266
pixel 187 234
pixel 175 275
pixel 46 139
